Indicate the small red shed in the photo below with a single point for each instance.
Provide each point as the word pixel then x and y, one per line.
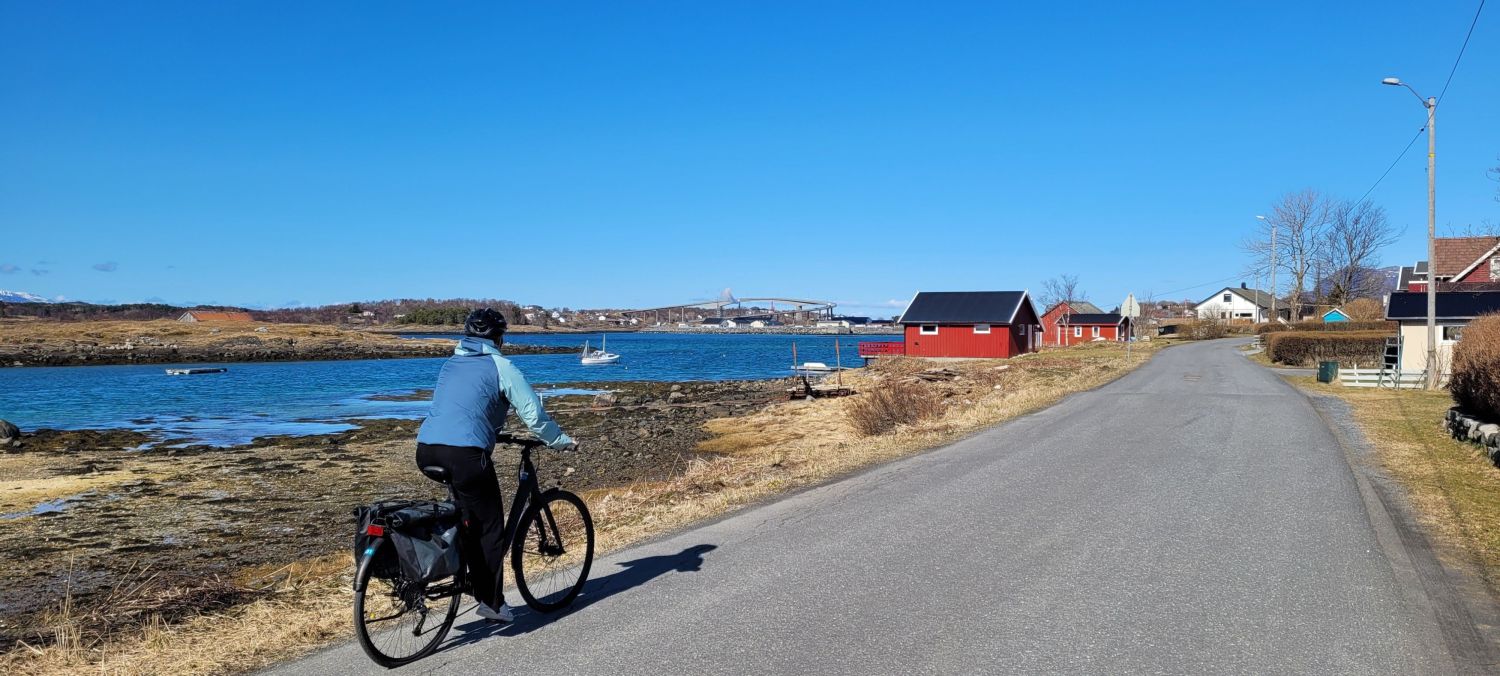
pixel 1052 330
pixel 986 324
pixel 1086 328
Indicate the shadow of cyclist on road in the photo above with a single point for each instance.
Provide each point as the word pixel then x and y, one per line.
pixel 633 574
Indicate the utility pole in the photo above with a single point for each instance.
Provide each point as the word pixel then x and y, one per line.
pixel 1432 363
pixel 1273 264
pixel 1274 228
pixel 1434 373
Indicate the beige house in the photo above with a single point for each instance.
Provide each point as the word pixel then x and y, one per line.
pixel 1455 309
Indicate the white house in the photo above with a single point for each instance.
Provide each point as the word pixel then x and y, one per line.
pixel 1236 303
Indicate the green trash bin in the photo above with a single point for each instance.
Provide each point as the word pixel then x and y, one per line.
pixel 1327 371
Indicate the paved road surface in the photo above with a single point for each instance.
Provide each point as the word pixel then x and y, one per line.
pixel 1197 515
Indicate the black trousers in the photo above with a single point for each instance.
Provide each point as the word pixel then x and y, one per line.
pixel 478 496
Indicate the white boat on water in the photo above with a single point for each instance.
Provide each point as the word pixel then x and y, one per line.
pixel 195 371
pixel 599 356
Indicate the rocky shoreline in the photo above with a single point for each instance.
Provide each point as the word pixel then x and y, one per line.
pixel 231 349
pixel 92 503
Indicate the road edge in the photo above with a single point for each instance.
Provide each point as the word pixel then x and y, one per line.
pixel 1439 580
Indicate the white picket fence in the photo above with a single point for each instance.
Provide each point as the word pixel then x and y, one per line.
pixel 1406 380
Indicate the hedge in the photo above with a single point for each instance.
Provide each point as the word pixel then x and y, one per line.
pixel 1264 329
pixel 1475 383
pixel 1349 348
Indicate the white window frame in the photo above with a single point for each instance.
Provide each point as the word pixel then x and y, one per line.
pixel 981 329
pixel 1228 298
pixel 922 329
pixel 1093 332
pixel 1078 332
pixel 1443 333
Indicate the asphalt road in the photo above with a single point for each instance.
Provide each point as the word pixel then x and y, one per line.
pixel 1195 516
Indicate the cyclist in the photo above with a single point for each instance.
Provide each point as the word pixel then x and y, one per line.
pixel 474 392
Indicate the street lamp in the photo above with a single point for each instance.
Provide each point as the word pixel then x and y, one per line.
pixel 1273 264
pixel 1431 105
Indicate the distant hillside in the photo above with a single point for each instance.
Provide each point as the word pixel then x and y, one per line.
pixel 425 312
pixel 88 311
pixel 20 297
pixel 1374 282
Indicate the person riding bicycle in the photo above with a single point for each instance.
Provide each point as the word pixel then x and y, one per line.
pixel 475 391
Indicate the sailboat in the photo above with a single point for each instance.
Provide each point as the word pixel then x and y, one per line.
pixel 599 356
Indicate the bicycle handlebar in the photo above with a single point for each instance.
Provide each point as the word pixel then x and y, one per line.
pixel 503 437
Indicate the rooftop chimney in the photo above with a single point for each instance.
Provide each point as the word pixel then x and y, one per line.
pixel 1242 285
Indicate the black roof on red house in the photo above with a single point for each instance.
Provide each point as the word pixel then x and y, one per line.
pixel 965 307
pixel 1105 318
pixel 1450 304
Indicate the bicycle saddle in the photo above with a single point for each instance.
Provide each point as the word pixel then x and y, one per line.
pixel 436 473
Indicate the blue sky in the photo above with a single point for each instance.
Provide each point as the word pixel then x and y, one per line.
pixel 641 154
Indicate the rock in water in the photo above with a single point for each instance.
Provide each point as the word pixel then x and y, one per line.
pixel 8 432
pixel 604 399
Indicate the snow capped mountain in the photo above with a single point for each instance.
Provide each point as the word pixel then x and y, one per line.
pixel 20 297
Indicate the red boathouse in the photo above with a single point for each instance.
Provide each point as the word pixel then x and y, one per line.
pixel 1087 328
pixel 984 324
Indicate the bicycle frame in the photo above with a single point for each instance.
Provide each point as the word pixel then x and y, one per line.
pixel 527 489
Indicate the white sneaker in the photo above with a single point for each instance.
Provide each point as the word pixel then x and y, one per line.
pixel 501 614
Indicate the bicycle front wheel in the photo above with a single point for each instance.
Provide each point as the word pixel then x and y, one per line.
pixel 553 550
pixel 398 621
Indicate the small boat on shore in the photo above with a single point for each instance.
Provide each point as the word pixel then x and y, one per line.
pixel 814 367
pixel 194 371
pixel 599 356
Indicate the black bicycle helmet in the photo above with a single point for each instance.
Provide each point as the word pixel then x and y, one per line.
pixel 485 323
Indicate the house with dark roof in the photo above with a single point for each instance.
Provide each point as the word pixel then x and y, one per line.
pixel 1096 326
pixel 1052 332
pixel 1243 304
pixel 983 324
pixel 1455 309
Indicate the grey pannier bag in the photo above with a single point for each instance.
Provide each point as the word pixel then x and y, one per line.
pixel 425 536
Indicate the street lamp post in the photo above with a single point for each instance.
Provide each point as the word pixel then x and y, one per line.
pixel 1430 104
pixel 1273 264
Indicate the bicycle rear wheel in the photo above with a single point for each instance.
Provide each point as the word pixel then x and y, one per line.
pixel 399 622
pixel 553 550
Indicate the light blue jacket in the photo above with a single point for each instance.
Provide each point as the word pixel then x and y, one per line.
pixel 474 392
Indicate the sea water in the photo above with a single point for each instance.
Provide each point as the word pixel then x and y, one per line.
pixel 260 399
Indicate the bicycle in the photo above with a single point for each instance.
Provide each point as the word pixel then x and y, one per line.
pixel 551 537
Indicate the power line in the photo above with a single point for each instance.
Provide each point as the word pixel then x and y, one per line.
pixel 1393 164
pixel 1465 46
pixel 1462 48
pixel 1165 294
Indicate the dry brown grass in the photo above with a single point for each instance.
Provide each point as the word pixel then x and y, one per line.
pixel 783 446
pixel 174 332
pixel 295 608
pixel 892 405
pixel 1452 484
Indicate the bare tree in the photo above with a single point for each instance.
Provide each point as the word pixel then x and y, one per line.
pixel 1300 219
pixel 1495 175
pixel 1356 233
pixel 1486 228
pixel 1061 288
